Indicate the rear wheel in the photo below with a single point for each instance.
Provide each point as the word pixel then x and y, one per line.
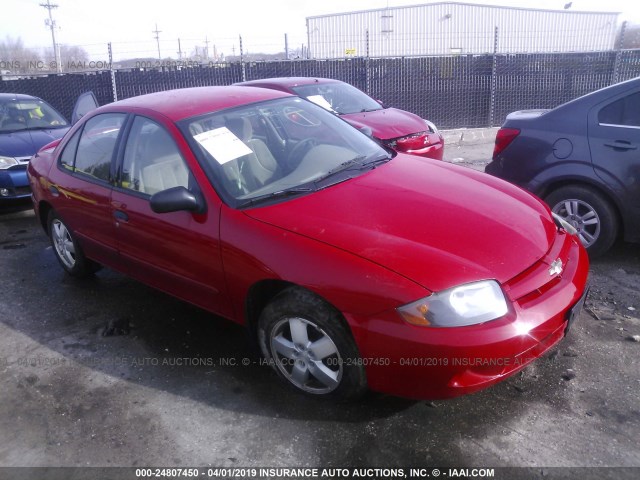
pixel 592 215
pixel 67 249
pixel 308 345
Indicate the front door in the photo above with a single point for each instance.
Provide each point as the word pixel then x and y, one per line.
pixel 177 252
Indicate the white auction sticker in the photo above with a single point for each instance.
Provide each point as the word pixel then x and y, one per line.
pixel 222 144
pixel 321 101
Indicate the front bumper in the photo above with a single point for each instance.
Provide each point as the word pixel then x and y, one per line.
pixel 432 146
pixel 436 363
pixel 14 185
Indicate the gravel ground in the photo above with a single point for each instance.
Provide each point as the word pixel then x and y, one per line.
pixel 72 397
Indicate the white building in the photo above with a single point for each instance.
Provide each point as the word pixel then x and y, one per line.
pixel 445 28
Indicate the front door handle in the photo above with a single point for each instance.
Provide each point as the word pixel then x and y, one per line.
pixel 621 145
pixel 121 216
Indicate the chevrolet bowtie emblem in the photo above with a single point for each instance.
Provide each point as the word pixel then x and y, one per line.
pixel 556 267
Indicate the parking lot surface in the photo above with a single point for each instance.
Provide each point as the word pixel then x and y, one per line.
pixel 170 385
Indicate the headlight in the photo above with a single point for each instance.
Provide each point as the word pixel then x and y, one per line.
pixel 468 304
pixel 6 162
pixel 562 223
pixel 431 126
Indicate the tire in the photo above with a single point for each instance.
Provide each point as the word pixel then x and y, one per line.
pixel 590 213
pixel 67 249
pixel 307 343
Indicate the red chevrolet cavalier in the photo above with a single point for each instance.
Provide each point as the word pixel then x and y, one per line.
pixel 353 268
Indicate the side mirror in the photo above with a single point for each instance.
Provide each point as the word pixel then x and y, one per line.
pixel 381 103
pixel 84 104
pixel 177 199
pixel 367 131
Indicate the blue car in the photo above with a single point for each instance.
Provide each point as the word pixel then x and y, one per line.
pixel 26 124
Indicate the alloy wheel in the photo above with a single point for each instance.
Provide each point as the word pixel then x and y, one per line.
pixel 582 217
pixel 306 355
pixel 63 243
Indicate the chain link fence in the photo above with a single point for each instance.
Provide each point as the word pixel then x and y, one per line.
pixel 452 91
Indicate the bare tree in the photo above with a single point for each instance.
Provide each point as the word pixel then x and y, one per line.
pixel 631 37
pixel 15 58
pixel 72 57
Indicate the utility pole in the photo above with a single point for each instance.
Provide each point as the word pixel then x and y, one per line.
pixel 51 23
pixel 157 37
pixel 206 49
pixel 179 50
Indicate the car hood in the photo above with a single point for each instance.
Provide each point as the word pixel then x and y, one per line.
pixel 26 143
pixel 437 224
pixel 387 123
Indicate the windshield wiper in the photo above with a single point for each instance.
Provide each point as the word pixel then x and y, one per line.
pixel 48 127
pixel 354 162
pixel 274 195
pixel 378 161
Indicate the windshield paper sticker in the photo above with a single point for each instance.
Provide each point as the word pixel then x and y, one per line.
pixel 222 144
pixel 320 100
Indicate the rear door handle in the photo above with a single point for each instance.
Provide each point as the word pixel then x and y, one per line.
pixel 121 216
pixel 621 145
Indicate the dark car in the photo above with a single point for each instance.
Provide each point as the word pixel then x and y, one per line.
pixel 583 158
pixel 26 124
pixel 403 131
pixel 351 265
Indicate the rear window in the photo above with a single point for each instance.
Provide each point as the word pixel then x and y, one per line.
pixel 625 111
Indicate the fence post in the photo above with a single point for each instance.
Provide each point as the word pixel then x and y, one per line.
pixel 244 73
pixel 615 77
pixel 286 47
pixel 494 80
pixel 367 66
pixel 113 74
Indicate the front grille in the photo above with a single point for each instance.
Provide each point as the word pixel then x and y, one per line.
pixel 537 279
pixel 23 190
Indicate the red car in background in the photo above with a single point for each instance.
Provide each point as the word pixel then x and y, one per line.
pixel 400 130
pixel 352 265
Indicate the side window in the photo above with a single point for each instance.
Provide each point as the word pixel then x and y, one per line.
pixel 69 153
pixel 96 145
pixel 625 111
pixel 152 161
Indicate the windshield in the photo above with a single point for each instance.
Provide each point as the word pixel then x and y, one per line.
pixel 278 148
pixel 28 114
pixel 339 97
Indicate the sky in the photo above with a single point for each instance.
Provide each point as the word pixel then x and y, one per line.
pixel 129 24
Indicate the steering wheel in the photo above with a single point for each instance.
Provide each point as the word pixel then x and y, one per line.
pixel 298 152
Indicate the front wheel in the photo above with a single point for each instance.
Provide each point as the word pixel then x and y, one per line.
pixel 590 213
pixel 309 346
pixel 67 249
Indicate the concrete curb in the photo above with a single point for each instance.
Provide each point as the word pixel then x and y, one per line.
pixel 469 136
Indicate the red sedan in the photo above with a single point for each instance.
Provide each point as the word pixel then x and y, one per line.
pixel 351 266
pixel 403 131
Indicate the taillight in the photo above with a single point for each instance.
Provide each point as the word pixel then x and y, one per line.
pixel 503 138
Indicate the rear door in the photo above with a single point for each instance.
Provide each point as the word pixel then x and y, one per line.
pixel 177 252
pixel 614 140
pixel 81 181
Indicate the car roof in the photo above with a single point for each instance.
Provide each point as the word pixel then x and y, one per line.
pixel 17 96
pixel 288 82
pixel 189 102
